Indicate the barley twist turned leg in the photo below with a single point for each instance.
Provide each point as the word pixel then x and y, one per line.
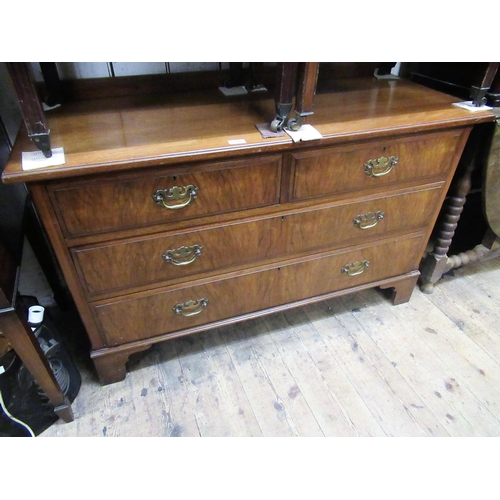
pixel 436 263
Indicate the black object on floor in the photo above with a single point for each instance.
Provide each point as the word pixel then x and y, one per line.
pixel 25 410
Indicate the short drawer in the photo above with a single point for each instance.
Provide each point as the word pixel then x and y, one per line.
pixel 112 204
pixel 172 311
pixel 371 166
pixel 158 259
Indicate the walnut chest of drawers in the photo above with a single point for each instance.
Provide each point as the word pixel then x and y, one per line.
pixel 170 217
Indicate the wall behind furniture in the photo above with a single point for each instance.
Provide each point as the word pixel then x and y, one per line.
pixel 77 70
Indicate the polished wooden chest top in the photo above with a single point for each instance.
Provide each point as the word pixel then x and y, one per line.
pixel 174 215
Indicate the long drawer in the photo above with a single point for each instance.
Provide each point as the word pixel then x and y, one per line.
pixel 92 207
pixel 132 319
pixel 158 259
pixel 371 166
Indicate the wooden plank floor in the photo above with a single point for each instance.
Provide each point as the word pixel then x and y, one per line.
pixel 352 366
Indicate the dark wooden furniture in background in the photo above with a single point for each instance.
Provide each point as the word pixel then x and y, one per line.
pixel 479 82
pixel 173 215
pixel 31 106
pixel 14 327
pixel 17 219
pixel 492 180
pixel 475 81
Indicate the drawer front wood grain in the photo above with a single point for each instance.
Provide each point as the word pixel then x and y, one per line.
pixel 159 259
pixel 371 166
pixel 101 206
pixel 146 317
pixel 163 258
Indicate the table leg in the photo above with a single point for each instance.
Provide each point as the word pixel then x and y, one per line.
pixel 31 107
pixel 17 331
pixel 306 89
pixel 286 81
pixel 436 263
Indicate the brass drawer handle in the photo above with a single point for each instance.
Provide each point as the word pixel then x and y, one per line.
pixel 191 307
pixel 355 268
pixel 175 197
pixel 380 166
pixel 183 256
pixel 368 220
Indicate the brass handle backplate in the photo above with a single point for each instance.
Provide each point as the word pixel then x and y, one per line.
pixel 191 307
pixel 368 220
pixel 380 166
pixel 355 268
pixel 175 197
pixel 183 255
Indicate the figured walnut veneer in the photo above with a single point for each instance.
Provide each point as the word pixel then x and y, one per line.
pixel 272 224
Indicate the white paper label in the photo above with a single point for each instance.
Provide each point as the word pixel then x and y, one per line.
pixel 36 159
pixel 233 90
pixel 469 106
pixel 305 133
